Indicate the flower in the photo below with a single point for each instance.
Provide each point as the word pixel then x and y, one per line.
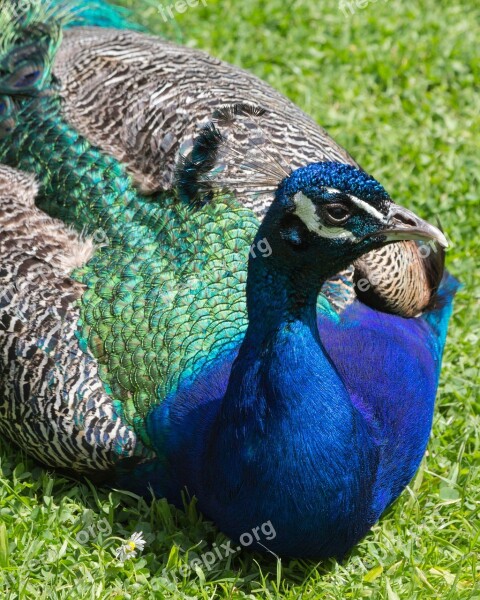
pixel 130 547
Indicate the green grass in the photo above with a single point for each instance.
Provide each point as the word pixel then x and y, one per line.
pixel 395 84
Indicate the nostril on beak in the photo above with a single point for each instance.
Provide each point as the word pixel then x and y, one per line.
pixel 404 217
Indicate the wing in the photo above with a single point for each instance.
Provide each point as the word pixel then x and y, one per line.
pixel 53 403
pixel 143 99
pixel 165 293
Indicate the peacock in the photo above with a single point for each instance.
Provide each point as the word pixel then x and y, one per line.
pixel 169 339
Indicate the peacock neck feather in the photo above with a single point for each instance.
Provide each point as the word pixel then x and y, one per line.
pixel 283 414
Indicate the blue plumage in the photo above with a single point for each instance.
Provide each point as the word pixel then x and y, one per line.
pixel 391 366
pixel 361 445
pixel 317 423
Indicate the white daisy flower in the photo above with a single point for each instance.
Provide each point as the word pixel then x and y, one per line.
pixel 129 549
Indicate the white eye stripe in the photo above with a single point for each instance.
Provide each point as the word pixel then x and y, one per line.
pixel 368 208
pixel 361 204
pixel 335 233
pixel 305 211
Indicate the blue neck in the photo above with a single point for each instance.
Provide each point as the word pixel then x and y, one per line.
pixel 286 417
pixel 275 303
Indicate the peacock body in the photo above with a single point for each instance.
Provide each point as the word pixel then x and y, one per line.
pixel 149 340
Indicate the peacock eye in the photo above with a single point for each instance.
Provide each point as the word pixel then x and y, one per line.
pixel 27 77
pixel 336 214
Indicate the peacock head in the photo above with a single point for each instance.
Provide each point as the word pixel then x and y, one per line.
pixel 326 215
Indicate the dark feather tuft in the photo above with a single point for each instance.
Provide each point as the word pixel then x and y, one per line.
pixel 192 179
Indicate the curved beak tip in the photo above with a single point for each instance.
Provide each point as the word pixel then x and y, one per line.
pixel 404 224
pixel 441 239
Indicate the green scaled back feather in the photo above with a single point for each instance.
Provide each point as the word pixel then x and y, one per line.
pixel 166 291
pixel 166 288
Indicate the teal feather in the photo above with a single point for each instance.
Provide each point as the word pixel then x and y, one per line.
pixel 160 274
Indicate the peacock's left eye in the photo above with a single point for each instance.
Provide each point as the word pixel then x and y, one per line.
pixel 336 214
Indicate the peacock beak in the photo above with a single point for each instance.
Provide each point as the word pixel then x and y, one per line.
pixel 403 224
